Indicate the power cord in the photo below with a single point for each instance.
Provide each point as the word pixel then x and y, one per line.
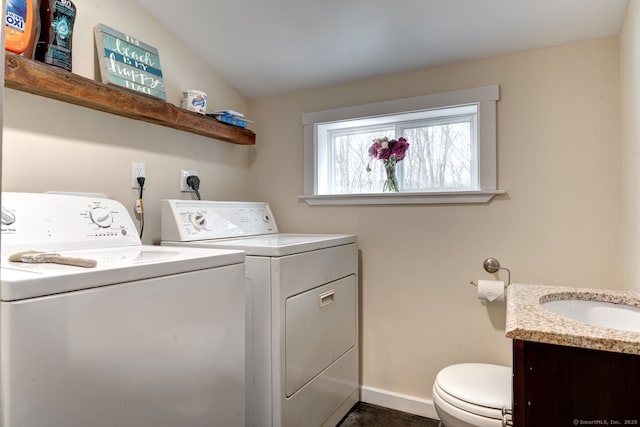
pixel 194 183
pixel 140 205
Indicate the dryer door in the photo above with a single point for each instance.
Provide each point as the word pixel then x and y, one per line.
pixel 320 327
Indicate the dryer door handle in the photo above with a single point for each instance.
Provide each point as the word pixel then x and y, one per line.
pixel 327 298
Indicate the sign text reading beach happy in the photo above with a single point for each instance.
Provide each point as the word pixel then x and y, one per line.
pixel 128 62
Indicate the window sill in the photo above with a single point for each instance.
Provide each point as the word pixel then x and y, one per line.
pixel 431 198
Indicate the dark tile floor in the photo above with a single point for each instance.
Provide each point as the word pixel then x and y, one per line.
pixel 367 415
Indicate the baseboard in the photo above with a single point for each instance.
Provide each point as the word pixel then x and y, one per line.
pixel 399 402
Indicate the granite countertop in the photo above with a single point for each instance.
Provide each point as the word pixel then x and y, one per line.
pixel 528 320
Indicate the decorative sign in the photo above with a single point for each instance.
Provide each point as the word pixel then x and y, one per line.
pixel 128 62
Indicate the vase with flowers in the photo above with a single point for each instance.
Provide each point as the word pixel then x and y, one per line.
pixel 390 152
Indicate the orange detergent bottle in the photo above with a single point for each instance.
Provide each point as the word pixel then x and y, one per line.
pixel 21 26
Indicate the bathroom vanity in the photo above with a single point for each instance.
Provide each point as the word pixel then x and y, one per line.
pixel 569 372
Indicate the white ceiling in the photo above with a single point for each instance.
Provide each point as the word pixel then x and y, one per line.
pixel 264 47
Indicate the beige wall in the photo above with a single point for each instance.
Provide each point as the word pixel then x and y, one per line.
pixel 49 145
pixel 630 96
pixel 560 223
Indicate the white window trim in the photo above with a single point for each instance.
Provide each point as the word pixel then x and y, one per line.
pixel 486 98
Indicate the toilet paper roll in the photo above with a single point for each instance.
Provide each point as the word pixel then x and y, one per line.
pixel 491 290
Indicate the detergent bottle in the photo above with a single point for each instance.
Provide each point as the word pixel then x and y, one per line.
pixel 54 44
pixel 22 26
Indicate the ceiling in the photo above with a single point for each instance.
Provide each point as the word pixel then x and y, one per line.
pixel 265 47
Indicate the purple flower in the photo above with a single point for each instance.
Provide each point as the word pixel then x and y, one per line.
pixel 388 150
pixel 384 153
pixel 374 149
pixel 400 148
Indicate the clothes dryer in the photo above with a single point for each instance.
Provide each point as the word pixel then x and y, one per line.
pixel 151 337
pixel 302 342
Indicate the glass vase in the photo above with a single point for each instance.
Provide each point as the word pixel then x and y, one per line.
pixel 391 183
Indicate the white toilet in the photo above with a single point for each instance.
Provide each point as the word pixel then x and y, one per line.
pixel 472 394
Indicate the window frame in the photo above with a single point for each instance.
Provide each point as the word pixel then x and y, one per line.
pixel 485 97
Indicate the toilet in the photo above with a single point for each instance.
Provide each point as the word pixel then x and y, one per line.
pixel 472 394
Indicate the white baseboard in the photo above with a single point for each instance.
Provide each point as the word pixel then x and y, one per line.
pixel 399 402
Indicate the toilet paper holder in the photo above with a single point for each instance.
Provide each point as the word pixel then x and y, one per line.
pixel 492 265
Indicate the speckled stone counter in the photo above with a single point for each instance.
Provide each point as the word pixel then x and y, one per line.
pixel 528 320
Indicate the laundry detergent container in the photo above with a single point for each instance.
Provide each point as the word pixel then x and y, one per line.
pixel 472 394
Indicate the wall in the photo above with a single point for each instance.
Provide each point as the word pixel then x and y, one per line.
pixel 560 222
pixel 630 97
pixel 49 145
pixel 1 94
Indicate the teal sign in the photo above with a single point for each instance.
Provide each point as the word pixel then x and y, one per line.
pixel 127 62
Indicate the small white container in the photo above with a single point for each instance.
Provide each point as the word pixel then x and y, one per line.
pixel 194 100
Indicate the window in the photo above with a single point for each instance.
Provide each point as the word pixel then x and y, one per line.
pixel 451 156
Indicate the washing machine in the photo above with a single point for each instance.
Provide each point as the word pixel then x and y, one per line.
pixel 302 309
pixel 151 336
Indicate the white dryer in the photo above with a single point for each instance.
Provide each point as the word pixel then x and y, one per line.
pixel 302 348
pixel 151 337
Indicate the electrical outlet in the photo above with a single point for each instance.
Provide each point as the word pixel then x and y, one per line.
pixel 137 170
pixel 184 174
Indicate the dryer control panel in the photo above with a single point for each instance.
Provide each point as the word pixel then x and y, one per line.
pixel 189 220
pixel 43 221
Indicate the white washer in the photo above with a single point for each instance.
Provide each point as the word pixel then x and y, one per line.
pixel 151 337
pixel 302 348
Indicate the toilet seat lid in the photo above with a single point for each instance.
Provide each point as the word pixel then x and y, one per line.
pixel 478 383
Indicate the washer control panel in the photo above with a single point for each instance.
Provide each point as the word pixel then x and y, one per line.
pixel 188 220
pixel 45 221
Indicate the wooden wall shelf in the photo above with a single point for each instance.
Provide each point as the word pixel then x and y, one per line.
pixel 51 82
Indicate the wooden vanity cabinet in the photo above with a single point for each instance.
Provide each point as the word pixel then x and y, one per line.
pixel 556 385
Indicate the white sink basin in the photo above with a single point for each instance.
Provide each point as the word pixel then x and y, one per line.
pixel 597 313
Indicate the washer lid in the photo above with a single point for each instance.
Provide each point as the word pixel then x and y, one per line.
pixel 477 383
pixel 115 265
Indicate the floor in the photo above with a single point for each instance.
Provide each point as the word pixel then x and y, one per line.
pixel 367 415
